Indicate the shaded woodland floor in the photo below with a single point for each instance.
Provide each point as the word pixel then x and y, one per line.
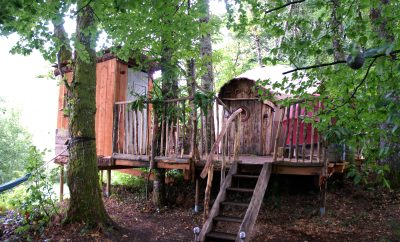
pixel 353 214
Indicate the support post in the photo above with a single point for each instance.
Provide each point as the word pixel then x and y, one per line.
pixel 61 182
pixel 196 197
pixel 108 186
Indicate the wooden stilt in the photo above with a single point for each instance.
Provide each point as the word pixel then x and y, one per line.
pixel 108 186
pixel 61 182
pixel 196 197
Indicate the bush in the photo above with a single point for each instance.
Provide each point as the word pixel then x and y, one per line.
pixel 34 201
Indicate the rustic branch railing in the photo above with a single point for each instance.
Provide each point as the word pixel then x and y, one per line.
pixel 221 135
pixel 174 136
pixel 300 138
pixel 130 132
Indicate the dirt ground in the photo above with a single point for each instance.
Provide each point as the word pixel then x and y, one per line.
pixel 353 214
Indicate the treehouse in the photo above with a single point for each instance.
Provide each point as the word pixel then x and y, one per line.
pixel 116 83
pixel 249 138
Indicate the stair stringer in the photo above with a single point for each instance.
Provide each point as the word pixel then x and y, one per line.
pixel 250 217
pixel 208 224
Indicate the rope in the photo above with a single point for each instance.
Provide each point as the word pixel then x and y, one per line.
pixel 9 185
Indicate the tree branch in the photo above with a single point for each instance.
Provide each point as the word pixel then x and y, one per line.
pixel 336 62
pixel 84 6
pixel 358 86
pixel 284 6
pixel 314 66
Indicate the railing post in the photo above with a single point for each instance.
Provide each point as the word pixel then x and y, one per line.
pixel 291 132
pixel 115 129
pixel 278 134
pixel 298 131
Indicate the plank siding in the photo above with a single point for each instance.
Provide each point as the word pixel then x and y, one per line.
pixel 62 120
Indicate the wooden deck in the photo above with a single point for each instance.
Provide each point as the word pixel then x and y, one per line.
pixel 126 161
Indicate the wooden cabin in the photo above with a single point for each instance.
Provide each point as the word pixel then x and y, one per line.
pixel 116 82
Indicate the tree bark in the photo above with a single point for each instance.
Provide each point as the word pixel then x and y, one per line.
pixel 169 89
pixel 207 79
pixel 86 204
pixel 337 30
pixel 192 126
pixel 258 49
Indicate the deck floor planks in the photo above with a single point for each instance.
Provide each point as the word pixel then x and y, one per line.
pixel 172 162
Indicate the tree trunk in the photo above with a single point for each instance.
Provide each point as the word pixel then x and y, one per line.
pixel 86 204
pixel 337 30
pixel 169 90
pixel 207 80
pixel 192 126
pixel 258 49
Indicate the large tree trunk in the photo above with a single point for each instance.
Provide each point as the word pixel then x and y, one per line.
pixel 192 126
pixel 207 81
pixel 169 88
pixel 86 204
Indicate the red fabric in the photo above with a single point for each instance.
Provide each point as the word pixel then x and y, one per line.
pixel 293 126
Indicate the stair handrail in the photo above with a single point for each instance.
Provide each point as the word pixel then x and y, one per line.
pixel 214 148
pixel 207 226
pixel 255 204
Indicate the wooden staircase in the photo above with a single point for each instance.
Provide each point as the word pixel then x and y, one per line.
pixel 238 202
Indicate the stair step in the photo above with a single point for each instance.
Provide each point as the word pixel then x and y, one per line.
pixel 235 204
pixel 237 189
pixel 228 219
pixel 221 236
pixel 245 176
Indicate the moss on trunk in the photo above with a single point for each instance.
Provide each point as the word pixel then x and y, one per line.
pixel 86 204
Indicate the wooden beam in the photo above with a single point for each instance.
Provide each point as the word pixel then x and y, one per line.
pixel 302 170
pixel 131 163
pixel 255 204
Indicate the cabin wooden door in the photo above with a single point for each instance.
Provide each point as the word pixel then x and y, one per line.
pixel 254 126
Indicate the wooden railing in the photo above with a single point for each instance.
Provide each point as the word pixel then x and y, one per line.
pixel 131 129
pixel 222 146
pixel 178 130
pixel 292 142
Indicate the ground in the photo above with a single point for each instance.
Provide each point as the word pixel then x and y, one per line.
pixel 353 213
